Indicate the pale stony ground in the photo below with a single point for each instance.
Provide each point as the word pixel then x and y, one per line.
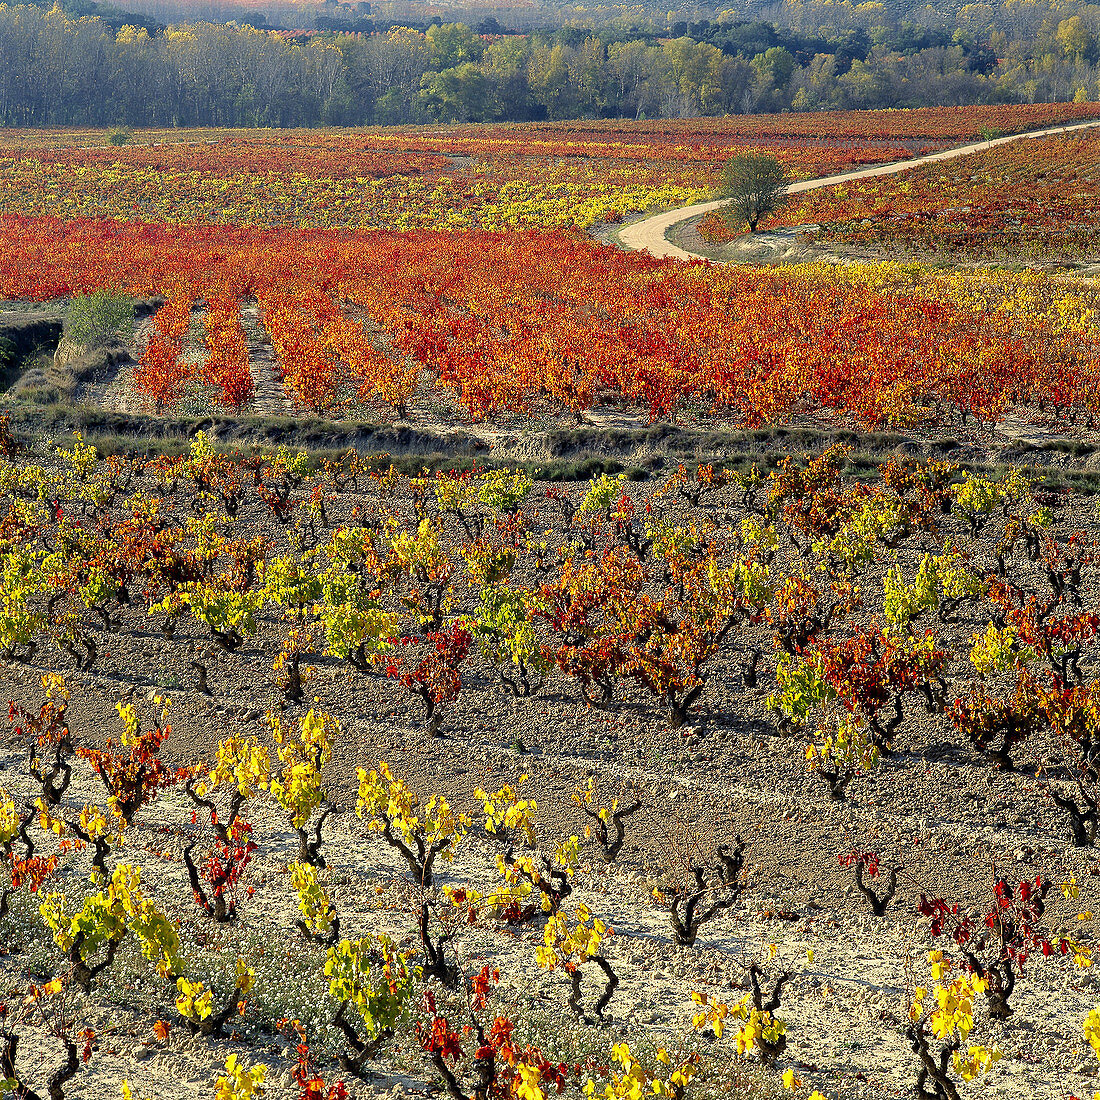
pixel 270 398
pixel 117 392
pixel 844 1011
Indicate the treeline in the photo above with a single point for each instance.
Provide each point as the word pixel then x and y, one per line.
pixel 59 70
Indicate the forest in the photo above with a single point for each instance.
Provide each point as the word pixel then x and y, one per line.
pixel 59 68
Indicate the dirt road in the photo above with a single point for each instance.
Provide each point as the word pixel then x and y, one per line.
pixel 648 235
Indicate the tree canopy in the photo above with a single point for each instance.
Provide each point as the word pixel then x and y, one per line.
pixel 755 184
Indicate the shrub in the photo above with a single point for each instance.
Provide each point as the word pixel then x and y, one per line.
pixel 996 945
pixel 420 835
pixel 93 320
pixel 606 822
pixel 940 1024
pixel 869 862
pixel 569 948
pixel 696 895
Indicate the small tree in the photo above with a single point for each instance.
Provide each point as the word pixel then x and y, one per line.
pixel 755 184
pixel 95 319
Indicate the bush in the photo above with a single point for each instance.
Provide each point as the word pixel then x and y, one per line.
pixel 120 135
pixel 94 319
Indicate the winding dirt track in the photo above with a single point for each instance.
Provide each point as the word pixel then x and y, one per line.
pixel 648 235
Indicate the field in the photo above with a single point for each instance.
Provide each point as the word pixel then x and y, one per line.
pixel 506 177
pixel 1028 202
pixel 391 322
pixel 483 178
pixel 297 295
pixel 696 634
pixel 457 655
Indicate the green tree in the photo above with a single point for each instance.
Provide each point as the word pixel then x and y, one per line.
pixel 773 71
pixel 1077 42
pixel 505 66
pixel 775 66
pixel 755 184
pixel 549 77
pixel 453 44
pixel 696 69
pixel 458 94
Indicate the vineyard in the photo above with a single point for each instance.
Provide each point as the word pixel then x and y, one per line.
pixel 769 769
pixel 1031 201
pixel 459 312
pixel 375 181
pixel 387 321
pixel 900 639
pixel 536 176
